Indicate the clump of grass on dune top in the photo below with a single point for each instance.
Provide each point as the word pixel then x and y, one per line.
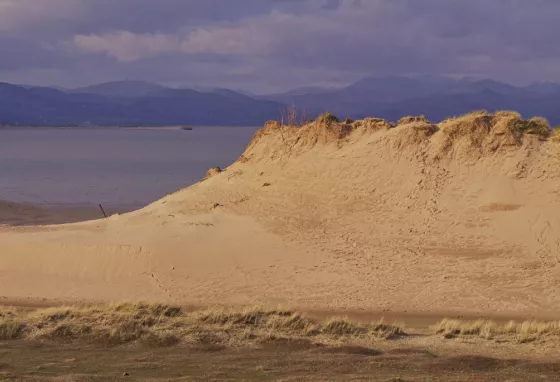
pixel 515 123
pixel 412 119
pixel 164 325
pixel 328 118
pixel 538 126
pixel 526 331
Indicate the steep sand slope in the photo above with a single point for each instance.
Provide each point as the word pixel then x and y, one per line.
pixel 459 217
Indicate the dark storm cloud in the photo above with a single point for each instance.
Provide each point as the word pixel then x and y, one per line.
pixel 275 44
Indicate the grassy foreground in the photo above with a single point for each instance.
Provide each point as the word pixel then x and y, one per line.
pixel 164 325
pixel 161 342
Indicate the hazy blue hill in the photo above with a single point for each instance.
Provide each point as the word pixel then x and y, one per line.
pixel 544 88
pixel 436 97
pixel 220 107
pixel 467 86
pixel 121 89
pixel 142 103
pixel 47 106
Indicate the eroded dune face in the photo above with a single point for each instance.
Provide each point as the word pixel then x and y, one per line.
pixel 463 216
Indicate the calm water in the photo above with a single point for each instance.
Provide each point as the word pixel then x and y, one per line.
pixel 116 167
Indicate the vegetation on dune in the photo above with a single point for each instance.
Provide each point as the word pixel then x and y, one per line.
pixel 213 171
pixel 375 124
pixel 537 125
pixel 294 117
pixel 526 331
pixel 555 134
pixel 505 114
pixel 412 119
pixel 503 128
pixel 469 136
pixel 466 120
pixel 328 118
pixel 165 325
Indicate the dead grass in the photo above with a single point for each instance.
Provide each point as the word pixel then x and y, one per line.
pixel 481 133
pixel 526 331
pixel 293 117
pixel 166 325
pixel 375 124
pixel 468 123
pixel 213 171
pixel 538 126
pixel 328 118
pixel 555 135
pixel 341 327
pixel 11 329
pixel 506 114
pixel 412 119
pixel 485 121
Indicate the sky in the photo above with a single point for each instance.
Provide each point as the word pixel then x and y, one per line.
pixel 266 46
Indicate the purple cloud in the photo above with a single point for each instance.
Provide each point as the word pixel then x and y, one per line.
pixel 270 45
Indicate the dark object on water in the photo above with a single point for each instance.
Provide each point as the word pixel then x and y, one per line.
pixel 102 210
pixel 186 128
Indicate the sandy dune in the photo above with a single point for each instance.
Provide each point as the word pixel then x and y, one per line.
pixel 458 217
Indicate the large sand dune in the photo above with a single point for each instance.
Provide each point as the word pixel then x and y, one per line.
pixel 461 217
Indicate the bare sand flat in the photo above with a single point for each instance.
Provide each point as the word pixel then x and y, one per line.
pixel 457 218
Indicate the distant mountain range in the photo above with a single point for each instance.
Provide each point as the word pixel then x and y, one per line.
pixel 130 103
pixel 138 103
pixel 435 97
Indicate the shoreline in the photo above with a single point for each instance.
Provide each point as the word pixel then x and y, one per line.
pixel 16 214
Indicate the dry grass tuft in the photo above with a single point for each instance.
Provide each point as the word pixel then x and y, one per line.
pixel 376 124
pixel 143 309
pixel 341 326
pixel 482 133
pixel 386 331
pixel 526 331
pixel 468 123
pixel 213 171
pixel 412 119
pixel 249 316
pixel 273 124
pixel 538 126
pixel 328 118
pixel 11 329
pixel 555 135
pixel 484 121
pixel 507 114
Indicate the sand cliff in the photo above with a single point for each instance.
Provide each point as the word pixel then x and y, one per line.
pixel 462 216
